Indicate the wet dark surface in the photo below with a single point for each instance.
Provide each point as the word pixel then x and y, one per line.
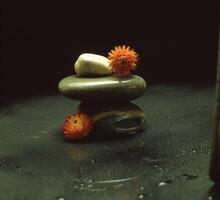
pixel 170 160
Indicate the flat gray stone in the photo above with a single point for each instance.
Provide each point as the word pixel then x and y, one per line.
pixel 102 89
pixel 114 120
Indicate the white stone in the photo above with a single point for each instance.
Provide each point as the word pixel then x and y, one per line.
pixel 92 64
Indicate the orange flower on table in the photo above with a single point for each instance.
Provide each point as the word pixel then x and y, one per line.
pixel 77 126
pixel 123 59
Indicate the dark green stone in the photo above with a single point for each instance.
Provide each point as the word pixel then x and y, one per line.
pixel 115 120
pixel 102 89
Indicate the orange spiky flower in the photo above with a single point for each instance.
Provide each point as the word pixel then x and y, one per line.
pixel 77 126
pixel 123 59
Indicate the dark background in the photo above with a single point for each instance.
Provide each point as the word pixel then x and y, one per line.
pixel 40 42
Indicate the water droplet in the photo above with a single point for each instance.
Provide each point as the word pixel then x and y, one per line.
pixel 75 187
pixel 142 187
pixel 81 184
pixel 140 196
pixel 194 151
pixel 90 185
pixel 161 169
pixel 60 198
pixel 210 198
pixel 164 183
pixel 93 161
pixel 90 181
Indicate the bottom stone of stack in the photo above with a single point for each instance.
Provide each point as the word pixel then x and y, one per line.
pixel 114 120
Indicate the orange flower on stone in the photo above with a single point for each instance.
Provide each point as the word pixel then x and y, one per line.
pixel 77 126
pixel 123 59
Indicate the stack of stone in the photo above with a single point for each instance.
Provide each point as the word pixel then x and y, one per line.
pixel 105 97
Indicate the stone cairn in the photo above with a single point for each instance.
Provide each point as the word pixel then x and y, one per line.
pixel 105 96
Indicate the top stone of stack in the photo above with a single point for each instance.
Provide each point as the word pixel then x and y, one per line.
pixel 89 64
